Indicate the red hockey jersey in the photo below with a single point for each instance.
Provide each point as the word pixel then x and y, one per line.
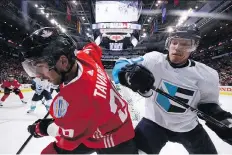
pixel 10 84
pixel 89 110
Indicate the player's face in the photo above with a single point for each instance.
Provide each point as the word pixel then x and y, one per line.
pixel 11 78
pixel 53 74
pixel 45 72
pixel 179 50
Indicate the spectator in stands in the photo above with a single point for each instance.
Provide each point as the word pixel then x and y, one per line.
pixel 12 66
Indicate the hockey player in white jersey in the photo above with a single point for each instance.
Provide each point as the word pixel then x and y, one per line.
pixel 42 90
pixel 54 87
pixel 191 82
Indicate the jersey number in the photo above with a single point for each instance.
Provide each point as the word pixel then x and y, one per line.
pixel 117 105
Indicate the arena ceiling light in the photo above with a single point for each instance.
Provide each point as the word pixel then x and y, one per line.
pixel 170 29
pixel 42 11
pixel 184 17
pixel 53 21
pixel 63 29
pixel 74 2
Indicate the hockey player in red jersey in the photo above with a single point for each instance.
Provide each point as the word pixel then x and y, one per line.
pixel 11 85
pixel 88 115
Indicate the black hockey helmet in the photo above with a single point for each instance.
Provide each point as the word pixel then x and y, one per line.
pixel 190 32
pixel 10 77
pixel 47 45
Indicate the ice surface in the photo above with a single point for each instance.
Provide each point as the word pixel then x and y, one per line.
pixel 14 121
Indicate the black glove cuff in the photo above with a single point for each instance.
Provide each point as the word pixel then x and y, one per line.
pixel 33 87
pixel 16 91
pixel 122 78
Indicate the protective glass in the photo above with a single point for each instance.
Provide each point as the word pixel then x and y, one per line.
pixel 36 67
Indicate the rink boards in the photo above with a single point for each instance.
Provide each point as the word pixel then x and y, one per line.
pixel 224 90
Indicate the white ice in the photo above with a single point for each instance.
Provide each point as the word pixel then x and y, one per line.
pixel 14 121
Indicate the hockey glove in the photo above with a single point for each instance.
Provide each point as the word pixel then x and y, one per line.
pixel 33 87
pixel 39 128
pixel 136 77
pixel 215 111
pixel 58 89
pixel 16 91
pixel 225 133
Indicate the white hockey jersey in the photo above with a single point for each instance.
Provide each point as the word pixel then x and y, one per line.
pixel 41 85
pixel 194 84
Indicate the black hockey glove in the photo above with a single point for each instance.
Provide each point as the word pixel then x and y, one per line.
pixel 58 89
pixel 39 128
pixel 136 77
pixel 215 111
pixel 33 87
pixel 225 133
pixel 16 91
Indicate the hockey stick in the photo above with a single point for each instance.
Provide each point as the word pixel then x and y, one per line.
pixel 198 112
pixel 28 139
pixel 43 101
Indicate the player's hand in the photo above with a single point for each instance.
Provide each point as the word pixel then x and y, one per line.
pixel 39 128
pixel 136 77
pixel 225 133
pixel 58 89
pixel 16 91
pixel 33 87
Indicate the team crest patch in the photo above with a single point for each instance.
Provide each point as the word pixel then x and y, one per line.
pixel 60 107
pixel 185 94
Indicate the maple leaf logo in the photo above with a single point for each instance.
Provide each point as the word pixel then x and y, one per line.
pixel 46 33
